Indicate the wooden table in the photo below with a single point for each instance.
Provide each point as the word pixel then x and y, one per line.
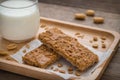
pixel 65 9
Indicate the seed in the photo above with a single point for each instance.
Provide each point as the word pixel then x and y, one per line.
pixel 3 52
pixel 90 12
pixel 95 45
pixel 80 16
pixel 11 46
pixel 98 20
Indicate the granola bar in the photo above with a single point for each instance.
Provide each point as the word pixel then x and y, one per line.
pixel 41 57
pixel 69 48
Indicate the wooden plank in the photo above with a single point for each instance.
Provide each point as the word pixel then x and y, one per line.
pixel 112 37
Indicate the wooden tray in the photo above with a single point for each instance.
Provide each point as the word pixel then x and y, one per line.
pixel 112 42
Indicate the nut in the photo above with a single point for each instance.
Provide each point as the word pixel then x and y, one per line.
pixel 77 33
pixel 90 12
pixel 60 65
pixel 27 46
pixel 77 73
pixel 70 69
pixel 103 46
pixel 98 20
pixel 103 38
pixel 62 71
pixel 11 46
pixel 80 16
pixel 95 39
pixel 95 45
pixel 42 25
pixel 46 28
pixel 3 52
pixel 24 51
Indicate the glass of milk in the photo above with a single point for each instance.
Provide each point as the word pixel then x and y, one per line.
pixel 19 19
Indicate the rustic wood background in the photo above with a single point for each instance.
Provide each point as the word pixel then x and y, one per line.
pixel 65 9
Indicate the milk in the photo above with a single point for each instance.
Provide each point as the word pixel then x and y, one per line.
pixel 19 24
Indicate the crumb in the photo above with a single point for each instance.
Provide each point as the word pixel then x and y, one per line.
pixel 80 16
pixel 27 46
pixel 56 69
pixel 90 41
pixel 103 46
pixel 9 58
pixel 62 71
pixel 46 28
pixel 70 72
pixel 42 25
pixel 77 33
pixel 102 41
pixel 3 52
pixel 103 38
pixel 98 20
pixel 72 79
pixel 95 45
pixel 81 36
pixel 60 65
pixel 52 67
pixel 77 73
pixel 11 46
pixel 24 51
pixel 95 39
pixel 90 12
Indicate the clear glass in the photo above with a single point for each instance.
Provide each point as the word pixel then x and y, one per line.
pixel 19 19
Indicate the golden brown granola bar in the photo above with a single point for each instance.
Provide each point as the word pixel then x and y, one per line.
pixel 69 48
pixel 41 57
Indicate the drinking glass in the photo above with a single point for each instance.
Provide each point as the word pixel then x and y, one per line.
pixel 19 19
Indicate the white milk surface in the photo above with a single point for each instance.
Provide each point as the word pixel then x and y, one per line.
pixel 19 24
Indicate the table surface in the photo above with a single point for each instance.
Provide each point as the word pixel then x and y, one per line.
pixel 66 13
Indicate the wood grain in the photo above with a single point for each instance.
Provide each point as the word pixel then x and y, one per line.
pixel 112 20
pixel 101 5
